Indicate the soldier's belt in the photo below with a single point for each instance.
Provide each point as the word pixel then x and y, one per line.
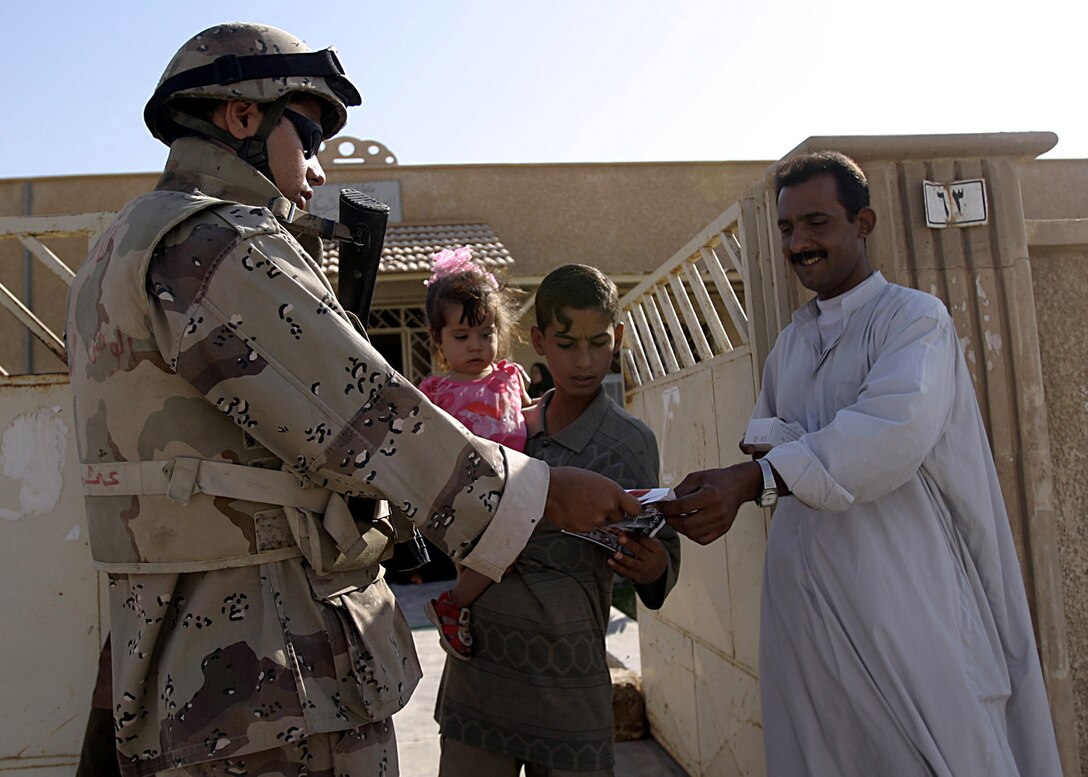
pixel 182 478
pixel 315 522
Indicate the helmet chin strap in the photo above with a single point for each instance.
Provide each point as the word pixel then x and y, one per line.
pixel 252 150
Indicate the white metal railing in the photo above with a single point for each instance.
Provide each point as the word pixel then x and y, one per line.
pixel 30 231
pixel 691 308
pixel 723 290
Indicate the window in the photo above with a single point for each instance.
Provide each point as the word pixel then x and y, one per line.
pixel 400 335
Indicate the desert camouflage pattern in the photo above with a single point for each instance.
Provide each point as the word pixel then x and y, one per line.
pixel 197 327
pixel 245 39
pixel 370 750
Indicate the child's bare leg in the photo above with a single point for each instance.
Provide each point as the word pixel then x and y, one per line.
pixel 470 584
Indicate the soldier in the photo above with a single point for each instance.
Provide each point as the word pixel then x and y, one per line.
pixel 225 407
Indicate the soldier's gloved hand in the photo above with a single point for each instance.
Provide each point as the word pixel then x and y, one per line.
pixel 580 500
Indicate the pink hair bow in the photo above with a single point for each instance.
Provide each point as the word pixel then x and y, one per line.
pixel 448 262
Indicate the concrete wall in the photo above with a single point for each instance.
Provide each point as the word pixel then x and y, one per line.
pixel 1060 280
pixel 623 218
pixel 1055 188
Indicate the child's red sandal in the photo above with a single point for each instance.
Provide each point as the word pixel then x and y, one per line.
pixel 453 625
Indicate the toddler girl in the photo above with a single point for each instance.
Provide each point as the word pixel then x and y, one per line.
pixel 470 315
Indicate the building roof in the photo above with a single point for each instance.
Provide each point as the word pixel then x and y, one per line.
pixel 409 248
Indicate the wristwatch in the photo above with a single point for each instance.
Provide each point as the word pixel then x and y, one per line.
pixel 769 496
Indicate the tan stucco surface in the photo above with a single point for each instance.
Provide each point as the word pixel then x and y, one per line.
pixel 1055 188
pixel 624 218
pixel 1060 280
pixel 621 218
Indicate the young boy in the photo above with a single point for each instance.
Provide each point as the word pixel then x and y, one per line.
pixel 538 691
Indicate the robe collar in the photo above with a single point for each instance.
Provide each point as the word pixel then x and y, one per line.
pixel 857 297
pixel 805 317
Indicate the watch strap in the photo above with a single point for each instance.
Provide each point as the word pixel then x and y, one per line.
pixel 769 495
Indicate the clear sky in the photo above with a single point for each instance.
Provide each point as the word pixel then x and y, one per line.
pixel 467 81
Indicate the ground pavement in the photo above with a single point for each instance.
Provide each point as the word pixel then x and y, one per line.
pixel 417 733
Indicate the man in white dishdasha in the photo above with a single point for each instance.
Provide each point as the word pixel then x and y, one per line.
pixel 895 637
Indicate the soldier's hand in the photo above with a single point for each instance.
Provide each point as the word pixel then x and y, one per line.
pixel 580 500
pixel 706 502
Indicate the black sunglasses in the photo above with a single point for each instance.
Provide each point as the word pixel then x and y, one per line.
pixel 309 131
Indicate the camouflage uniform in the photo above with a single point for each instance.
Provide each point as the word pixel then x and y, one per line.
pixel 208 353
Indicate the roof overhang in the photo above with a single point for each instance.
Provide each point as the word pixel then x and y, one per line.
pixel 410 248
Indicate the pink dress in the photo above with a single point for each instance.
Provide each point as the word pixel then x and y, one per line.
pixel 488 407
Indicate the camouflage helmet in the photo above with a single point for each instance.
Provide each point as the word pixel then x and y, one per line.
pixel 253 63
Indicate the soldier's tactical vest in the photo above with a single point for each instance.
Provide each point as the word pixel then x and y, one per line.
pixel 171 483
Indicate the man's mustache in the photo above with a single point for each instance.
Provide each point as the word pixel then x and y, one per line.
pixel 800 256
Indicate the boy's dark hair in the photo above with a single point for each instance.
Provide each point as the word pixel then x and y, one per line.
pixel 576 286
pixel 473 290
pixel 849 179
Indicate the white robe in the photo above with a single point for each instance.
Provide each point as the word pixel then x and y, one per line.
pixel 895 635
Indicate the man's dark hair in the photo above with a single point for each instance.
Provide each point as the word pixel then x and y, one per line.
pixel 849 179
pixel 575 286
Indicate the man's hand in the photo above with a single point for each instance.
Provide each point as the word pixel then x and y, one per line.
pixel 707 501
pixel 580 500
pixel 649 562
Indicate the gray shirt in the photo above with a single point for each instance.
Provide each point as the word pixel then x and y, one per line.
pixel 538 686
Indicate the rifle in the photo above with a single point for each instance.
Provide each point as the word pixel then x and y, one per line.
pixel 366 219
pixel 360 258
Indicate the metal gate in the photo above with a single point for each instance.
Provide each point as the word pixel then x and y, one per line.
pixel 696 334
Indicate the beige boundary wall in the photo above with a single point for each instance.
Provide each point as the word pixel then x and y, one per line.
pixel 619 217
pixel 1022 325
pixel 623 218
pixel 1059 269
